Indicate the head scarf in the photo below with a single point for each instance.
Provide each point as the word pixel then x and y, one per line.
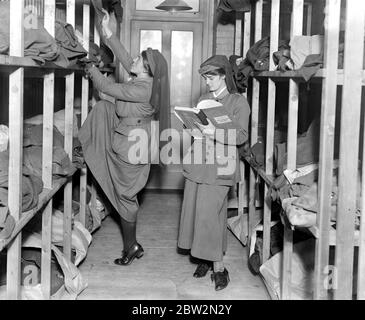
pixel 217 62
pixel 160 98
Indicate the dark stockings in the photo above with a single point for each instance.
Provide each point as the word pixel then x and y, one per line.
pixel 128 233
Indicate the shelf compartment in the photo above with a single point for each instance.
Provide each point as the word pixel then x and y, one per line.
pixel 44 198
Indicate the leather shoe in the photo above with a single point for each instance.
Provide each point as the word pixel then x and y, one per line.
pixel 135 251
pixel 221 279
pixel 202 270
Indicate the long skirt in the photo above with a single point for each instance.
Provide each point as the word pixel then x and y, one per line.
pixel 121 181
pixel 203 222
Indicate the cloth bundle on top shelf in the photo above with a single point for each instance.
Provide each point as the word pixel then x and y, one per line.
pixel 64 50
pixel 257 59
pixel 38 43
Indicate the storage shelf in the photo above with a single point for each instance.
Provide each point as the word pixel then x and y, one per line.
pixel 33 69
pixel 44 198
pixel 313 230
pixel 283 76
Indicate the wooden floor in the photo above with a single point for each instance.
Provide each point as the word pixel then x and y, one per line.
pixel 161 273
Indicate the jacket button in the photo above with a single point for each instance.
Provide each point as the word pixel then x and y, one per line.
pixel 139 121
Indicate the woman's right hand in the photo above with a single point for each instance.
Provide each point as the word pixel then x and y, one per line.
pixel 105 24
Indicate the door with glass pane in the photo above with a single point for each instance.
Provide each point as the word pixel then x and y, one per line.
pixel 181 44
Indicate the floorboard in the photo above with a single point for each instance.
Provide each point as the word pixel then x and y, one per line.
pixel 162 273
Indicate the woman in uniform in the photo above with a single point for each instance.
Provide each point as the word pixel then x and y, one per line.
pixel 109 134
pixel 203 222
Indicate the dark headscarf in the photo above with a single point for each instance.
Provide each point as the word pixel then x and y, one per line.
pixel 160 98
pixel 218 62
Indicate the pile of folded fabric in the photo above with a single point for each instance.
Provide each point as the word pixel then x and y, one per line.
pixel 64 50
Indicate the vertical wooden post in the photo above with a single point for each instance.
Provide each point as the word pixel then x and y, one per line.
pixel 255 119
pixel 47 155
pixel 296 29
pixel 238 34
pixel 270 122
pixel 84 108
pixel 349 147
pixel 16 87
pixel 69 113
pixel 246 33
pixel 97 42
pixel 361 262
pixel 327 136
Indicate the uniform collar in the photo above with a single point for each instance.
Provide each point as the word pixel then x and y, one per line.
pixel 221 94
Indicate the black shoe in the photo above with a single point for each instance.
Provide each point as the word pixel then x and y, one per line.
pixel 221 279
pixel 135 251
pixel 202 270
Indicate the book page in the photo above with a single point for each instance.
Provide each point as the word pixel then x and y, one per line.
pixel 207 104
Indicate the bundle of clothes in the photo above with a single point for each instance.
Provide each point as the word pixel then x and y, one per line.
pixel 64 50
pixel 67 281
pixel 303 54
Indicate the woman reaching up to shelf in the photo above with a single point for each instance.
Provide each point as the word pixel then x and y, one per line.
pixel 203 222
pixel 109 134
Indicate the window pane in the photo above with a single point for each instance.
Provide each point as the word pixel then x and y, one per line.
pixel 151 39
pixel 151 5
pixel 181 68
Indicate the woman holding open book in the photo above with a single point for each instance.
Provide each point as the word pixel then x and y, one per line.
pixel 203 222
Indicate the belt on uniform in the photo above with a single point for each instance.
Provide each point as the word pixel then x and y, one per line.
pixel 135 121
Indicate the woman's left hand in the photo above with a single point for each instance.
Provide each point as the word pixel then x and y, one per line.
pixel 207 130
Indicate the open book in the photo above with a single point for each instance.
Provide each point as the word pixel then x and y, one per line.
pixel 206 109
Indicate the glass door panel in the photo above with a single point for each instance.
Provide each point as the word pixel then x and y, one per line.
pixel 150 39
